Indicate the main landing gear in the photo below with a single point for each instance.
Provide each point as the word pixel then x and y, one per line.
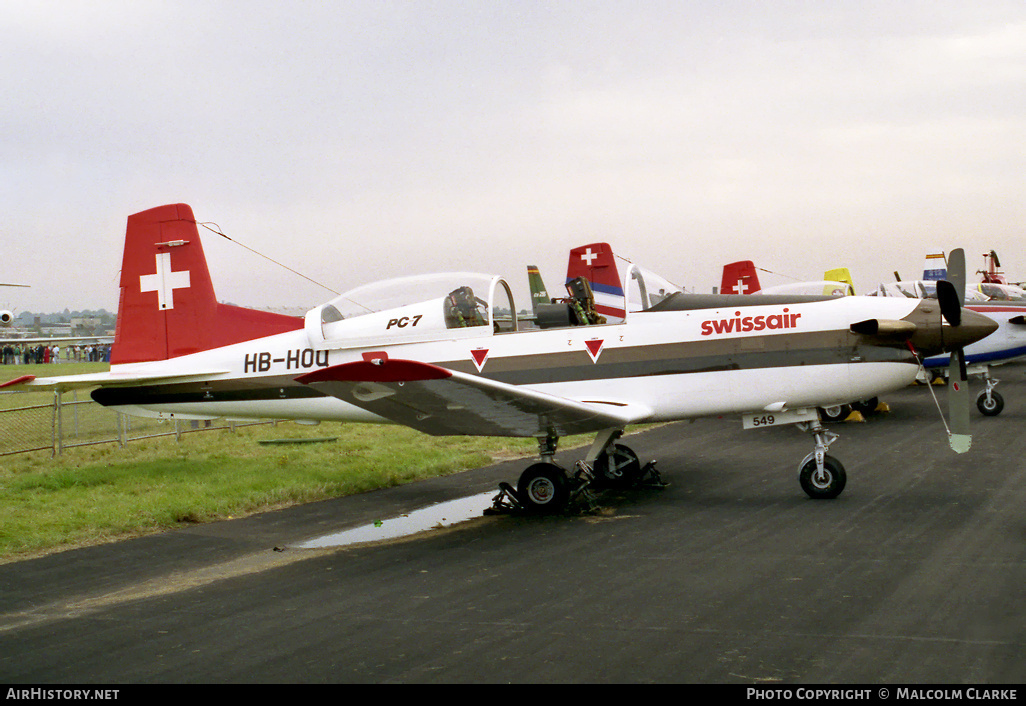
pixel 546 488
pixel 821 476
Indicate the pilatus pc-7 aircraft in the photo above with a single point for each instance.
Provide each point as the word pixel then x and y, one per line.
pixel 446 355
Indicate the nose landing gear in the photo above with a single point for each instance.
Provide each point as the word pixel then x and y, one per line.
pixel 822 477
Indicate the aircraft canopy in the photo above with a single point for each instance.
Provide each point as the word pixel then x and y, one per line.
pixel 419 307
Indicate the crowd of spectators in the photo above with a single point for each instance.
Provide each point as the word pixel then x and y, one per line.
pixel 25 354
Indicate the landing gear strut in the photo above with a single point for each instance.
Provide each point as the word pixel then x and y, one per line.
pixel 547 488
pixel 822 477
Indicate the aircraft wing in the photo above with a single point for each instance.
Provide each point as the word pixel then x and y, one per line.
pixel 445 402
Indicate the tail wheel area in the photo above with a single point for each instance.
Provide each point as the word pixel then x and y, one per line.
pixel 543 489
pixel 618 469
pixel 822 484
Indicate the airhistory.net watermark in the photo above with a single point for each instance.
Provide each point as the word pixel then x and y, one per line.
pixel 41 694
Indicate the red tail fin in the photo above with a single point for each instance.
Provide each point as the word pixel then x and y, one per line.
pixel 596 264
pixel 167 306
pixel 740 278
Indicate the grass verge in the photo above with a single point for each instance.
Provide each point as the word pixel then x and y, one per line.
pixel 95 494
pixel 102 493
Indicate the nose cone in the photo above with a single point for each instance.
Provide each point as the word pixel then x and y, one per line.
pixel 974 327
pixel 934 335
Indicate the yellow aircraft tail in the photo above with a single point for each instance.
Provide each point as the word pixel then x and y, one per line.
pixel 839 274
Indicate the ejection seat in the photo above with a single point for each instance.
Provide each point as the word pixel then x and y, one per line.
pixel 461 309
pixel 577 309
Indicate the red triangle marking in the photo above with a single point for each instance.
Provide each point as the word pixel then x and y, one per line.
pixel 480 356
pixel 594 348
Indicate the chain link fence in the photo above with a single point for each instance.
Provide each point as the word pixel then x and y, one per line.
pixel 40 421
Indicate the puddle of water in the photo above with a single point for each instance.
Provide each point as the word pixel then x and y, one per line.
pixel 433 516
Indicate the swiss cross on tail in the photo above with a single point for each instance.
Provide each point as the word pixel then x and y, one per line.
pixel 164 282
pixel 596 264
pixel 740 278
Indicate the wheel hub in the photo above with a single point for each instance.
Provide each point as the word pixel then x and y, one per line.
pixel 541 490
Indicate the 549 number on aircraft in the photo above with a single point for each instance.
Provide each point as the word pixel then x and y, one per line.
pixel 772 419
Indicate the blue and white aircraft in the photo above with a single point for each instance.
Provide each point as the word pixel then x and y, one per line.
pixel 1005 344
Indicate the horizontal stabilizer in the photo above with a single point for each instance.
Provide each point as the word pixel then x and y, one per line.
pixel 80 382
pixel 16 382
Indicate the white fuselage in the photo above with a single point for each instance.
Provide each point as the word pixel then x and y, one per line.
pixel 671 364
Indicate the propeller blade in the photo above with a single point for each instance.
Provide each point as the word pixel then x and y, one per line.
pixel 956 272
pixel 958 403
pixel 950 304
pixel 951 292
pixel 951 296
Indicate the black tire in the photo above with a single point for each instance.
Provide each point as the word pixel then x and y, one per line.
pixel 621 471
pixel 829 485
pixel 991 407
pixel 837 413
pixel 543 489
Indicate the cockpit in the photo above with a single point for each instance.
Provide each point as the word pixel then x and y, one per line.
pixel 461 304
pixel 641 289
pixel 912 289
pixel 827 287
pixel 421 307
pixel 922 289
pixel 645 288
pixel 1000 292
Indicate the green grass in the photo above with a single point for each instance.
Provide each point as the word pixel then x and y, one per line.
pixel 95 494
pixel 101 493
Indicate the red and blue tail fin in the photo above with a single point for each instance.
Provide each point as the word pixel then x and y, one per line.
pixel 595 262
pixel 167 307
pixel 740 278
pixel 936 266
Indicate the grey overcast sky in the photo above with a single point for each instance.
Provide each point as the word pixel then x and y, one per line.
pixel 356 141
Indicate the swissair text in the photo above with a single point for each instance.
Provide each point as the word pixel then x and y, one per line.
pixel 750 323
